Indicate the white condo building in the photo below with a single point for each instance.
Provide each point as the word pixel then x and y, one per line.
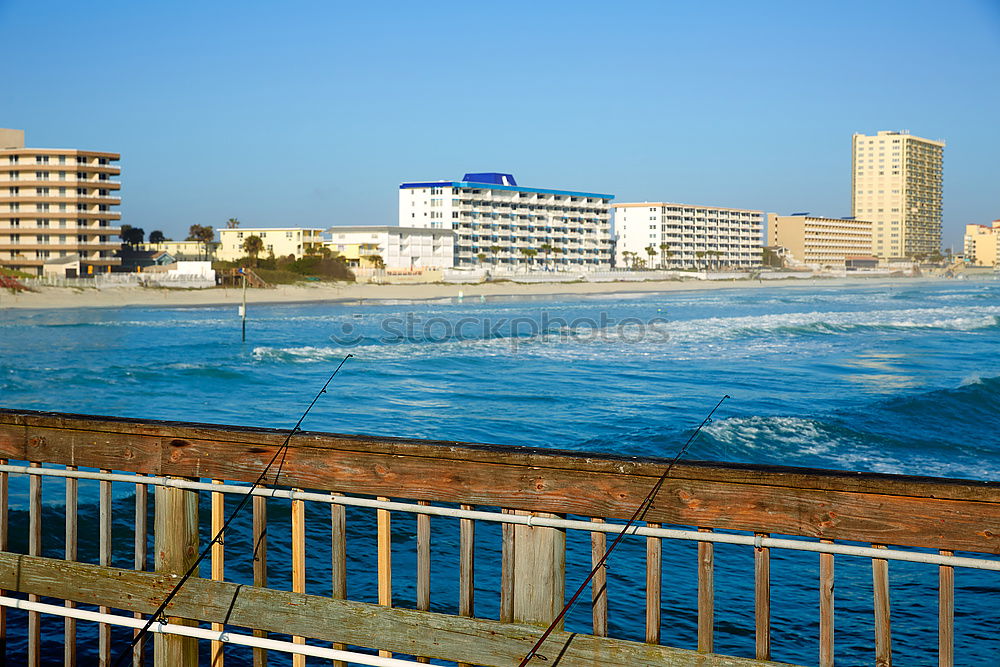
pixel 401 248
pixel 495 221
pixel 682 236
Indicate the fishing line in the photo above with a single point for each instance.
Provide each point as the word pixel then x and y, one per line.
pixel 638 515
pixel 140 638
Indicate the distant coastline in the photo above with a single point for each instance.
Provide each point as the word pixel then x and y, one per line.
pixel 355 294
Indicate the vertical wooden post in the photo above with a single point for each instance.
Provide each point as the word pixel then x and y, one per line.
pixel 34 549
pixel 3 547
pixel 104 632
pixel 883 629
pixel 826 608
pixel 69 624
pixel 507 571
pixel 423 565
pixel 762 599
pixel 176 543
pixel 706 595
pixel 654 588
pixel 259 565
pixel 946 613
pixel 539 572
pixel 338 569
pixel 298 565
pixel 384 559
pixel 599 584
pixel 466 568
pixel 216 652
pixel 141 552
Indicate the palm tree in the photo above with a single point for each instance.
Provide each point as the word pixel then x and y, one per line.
pixel 664 254
pixel 232 223
pixel 651 251
pixel 482 258
pixel 253 245
pixel 529 254
pixel 494 249
pixel 700 255
pixel 156 237
pixel 628 256
pixel 547 249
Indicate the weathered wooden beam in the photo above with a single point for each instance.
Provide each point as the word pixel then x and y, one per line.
pixel 539 573
pixel 176 543
pixel 477 641
pixel 885 509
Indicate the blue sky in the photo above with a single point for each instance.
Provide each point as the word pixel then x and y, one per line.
pixel 312 113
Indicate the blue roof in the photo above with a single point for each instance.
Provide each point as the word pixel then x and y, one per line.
pixel 490 177
pixel 473 181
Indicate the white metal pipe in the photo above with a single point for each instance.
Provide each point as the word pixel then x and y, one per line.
pixel 202 633
pixel 526 520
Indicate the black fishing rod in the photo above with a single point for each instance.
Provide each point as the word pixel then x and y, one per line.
pixel 140 638
pixel 638 515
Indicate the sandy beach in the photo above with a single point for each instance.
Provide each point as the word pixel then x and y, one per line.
pixel 62 297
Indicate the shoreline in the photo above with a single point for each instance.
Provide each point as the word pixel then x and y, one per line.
pixel 55 298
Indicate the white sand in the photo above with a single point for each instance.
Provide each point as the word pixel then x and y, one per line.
pixel 60 297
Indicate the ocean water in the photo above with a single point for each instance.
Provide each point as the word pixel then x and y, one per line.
pixel 899 377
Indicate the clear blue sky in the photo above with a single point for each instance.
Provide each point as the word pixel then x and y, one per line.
pixel 312 113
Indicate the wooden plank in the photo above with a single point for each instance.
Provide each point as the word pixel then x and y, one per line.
pixel 216 649
pixel 706 595
pixel 423 560
pixel 338 565
pixel 828 505
pixel 141 552
pixel 384 562
pixel 259 565
pixel 654 586
pixel 883 628
pixel 826 608
pixel 104 557
pixel 539 573
pixel 441 636
pixel 34 549
pixel 946 613
pixel 4 500
pixel 70 552
pixel 599 584
pixel 176 535
pixel 298 564
pixel 507 571
pixel 466 568
pixel 762 600
pixel 25 429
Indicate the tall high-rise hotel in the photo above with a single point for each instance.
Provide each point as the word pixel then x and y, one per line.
pixel 897 185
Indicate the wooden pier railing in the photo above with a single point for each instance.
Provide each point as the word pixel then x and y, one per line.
pixel 537 501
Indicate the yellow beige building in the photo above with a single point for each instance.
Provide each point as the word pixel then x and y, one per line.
pixel 281 241
pixel 982 244
pixel 896 184
pixel 56 206
pixel 819 241
pixel 185 250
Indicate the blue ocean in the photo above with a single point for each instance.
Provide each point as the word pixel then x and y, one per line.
pixel 895 376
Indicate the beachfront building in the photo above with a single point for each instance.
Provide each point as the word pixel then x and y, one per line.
pixel 57 204
pixel 896 183
pixel 397 248
pixel 279 241
pixel 499 223
pixel 817 241
pixel 184 250
pixel 982 244
pixel 684 236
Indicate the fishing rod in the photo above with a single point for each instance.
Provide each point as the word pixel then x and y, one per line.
pixel 140 638
pixel 638 515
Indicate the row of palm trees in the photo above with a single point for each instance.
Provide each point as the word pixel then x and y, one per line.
pixel 636 261
pixel 529 253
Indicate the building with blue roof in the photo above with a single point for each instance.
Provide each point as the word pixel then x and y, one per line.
pixel 499 223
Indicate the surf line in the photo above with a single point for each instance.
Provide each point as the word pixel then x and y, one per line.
pixel 637 516
pixel 141 636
